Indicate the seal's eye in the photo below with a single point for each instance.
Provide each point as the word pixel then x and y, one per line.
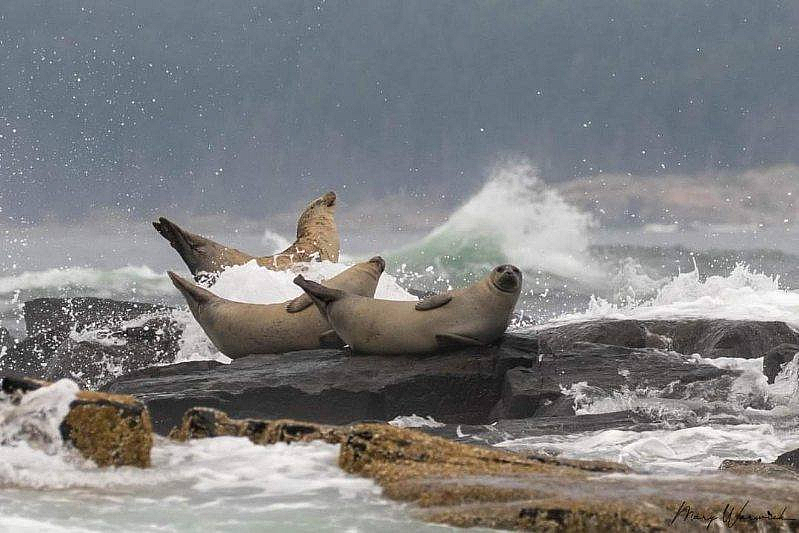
pixel 515 269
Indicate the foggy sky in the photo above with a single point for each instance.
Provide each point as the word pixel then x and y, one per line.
pixel 209 105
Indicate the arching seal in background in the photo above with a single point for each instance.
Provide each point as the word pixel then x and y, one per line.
pixel 474 316
pixel 317 239
pixel 239 329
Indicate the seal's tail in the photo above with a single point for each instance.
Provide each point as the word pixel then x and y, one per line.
pixel 194 294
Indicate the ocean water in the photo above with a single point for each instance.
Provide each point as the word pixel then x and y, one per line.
pixel 574 270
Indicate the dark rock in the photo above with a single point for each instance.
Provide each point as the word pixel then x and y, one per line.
pixel 790 459
pixel 775 359
pixel 503 430
pixel 330 386
pixel 537 390
pixel 91 340
pixel 472 386
pixel 706 336
pixel 6 341
pixel 47 314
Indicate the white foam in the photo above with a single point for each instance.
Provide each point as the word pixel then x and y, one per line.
pixel 685 450
pixel 34 422
pixel 252 283
pixel 415 421
pixel 741 295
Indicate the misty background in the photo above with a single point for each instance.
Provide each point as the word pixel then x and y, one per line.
pixel 219 106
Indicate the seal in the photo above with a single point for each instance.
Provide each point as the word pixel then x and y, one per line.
pixel 317 238
pixel 475 316
pixel 239 329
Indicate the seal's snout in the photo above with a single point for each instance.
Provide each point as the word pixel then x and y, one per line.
pixel 379 261
pixel 507 277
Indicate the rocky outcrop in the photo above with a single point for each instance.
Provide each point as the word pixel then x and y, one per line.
pixel 774 360
pixel 705 336
pixel 203 422
pixel 470 486
pixel 109 429
pixel 90 340
pixel 471 386
pixel 331 386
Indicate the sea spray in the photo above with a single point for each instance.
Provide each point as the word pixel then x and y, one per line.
pixel 515 217
pixel 742 295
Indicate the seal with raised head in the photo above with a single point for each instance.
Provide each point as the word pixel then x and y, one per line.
pixel 475 316
pixel 317 239
pixel 239 329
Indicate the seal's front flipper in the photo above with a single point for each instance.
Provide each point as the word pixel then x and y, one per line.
pixel 434 301
pixel 330 339
pixel 299 303
pixel 453 340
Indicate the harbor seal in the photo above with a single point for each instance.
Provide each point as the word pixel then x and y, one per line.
pixel 474 316
pixel 239 329
pixel 317 238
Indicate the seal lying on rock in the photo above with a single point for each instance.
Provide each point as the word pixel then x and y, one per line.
pixel 474 316
pixel 317 238
pixel 240 329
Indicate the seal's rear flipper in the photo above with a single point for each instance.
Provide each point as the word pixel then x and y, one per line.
pixel 194 294
pixel 453 340
pixel 330 339
pixel 320 294
pixel 184 242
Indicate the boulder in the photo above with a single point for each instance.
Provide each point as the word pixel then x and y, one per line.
pixel 333 387
pixel 48 314
pixel 202 422
pixel 539 389
pixel 91 340
pixel 708 337
pixel 109 429
pixel 473 386
pixel 775 359
pixel 789 459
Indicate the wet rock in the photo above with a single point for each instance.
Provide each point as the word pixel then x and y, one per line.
pixel 6 341
pixel 48 314
pixel 775 359
pixel 331 386
pixel 758 468
pixel 539 390
pixel 92 364
pixel 505 430
pixel 705 336
pixel 91 340
pixel 202 422
pixel 789 459
pixel 110 429
pixel 470 486
pixel 472 386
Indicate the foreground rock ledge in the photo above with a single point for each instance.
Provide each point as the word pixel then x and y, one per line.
pixel 109 429
pixel 465 485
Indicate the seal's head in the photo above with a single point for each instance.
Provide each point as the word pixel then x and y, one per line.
pixel 379 262
pixel 506 278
